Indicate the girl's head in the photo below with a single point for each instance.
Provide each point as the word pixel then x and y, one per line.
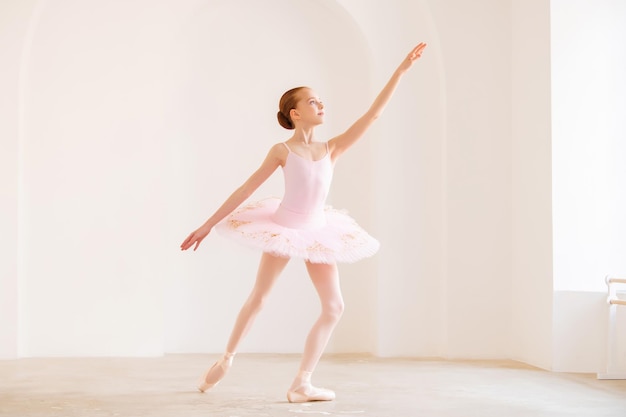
pixel 293 106
pixel 287 102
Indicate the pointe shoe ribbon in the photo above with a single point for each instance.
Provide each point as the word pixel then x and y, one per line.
pixel 215 373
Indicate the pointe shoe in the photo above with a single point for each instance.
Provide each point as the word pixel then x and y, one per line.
pixel 215 373
pixel 306 393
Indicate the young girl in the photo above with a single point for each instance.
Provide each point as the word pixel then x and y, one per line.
pixel 299 225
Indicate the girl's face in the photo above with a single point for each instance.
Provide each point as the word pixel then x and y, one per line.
pixel 310 109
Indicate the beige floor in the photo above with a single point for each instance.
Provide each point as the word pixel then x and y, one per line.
pixel 257 383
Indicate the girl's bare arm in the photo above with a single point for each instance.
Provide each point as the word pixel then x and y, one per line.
pixel 341 143
pixel 273 160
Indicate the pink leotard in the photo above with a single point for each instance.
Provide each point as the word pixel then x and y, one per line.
pixel 306 187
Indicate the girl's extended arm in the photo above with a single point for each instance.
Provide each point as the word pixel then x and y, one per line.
pixel 269 165
pixel 341 143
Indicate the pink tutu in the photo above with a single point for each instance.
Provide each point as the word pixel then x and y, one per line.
pixel 335 238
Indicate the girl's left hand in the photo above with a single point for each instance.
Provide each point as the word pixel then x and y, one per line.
pixel 413 56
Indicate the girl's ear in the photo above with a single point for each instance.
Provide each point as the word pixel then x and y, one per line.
pixel 293 113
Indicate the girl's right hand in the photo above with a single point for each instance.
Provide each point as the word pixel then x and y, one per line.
pixel 195 238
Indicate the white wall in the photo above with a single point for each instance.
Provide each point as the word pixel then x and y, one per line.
pixel 124 131
pixel 92 262
pixel 407 177
pixel 531 204
pixel 13 29
pixel 115 171
pixel 127 133
pixel 589 172
pixel 589 103
pixel 475 47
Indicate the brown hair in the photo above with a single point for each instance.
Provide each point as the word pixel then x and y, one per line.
pixel 287 102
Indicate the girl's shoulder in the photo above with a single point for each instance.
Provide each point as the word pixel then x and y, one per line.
pixel 280 148
pixel 279 151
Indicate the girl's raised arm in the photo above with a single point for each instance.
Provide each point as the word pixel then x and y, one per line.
pixel 272 161
pixel 341 143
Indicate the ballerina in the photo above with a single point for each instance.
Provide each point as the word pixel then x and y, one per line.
pixel 299 225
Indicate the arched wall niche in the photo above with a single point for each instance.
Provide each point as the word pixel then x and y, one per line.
pixel 121 109
pixel 130 115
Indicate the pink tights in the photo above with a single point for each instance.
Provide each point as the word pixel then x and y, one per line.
pixel 325 279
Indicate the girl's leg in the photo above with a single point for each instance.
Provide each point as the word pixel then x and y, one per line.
pixel 325 278
pixel 269 269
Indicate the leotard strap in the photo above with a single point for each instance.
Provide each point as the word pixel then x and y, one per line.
pixel 286 146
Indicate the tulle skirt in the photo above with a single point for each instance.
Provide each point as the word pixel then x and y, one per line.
pixel 338 238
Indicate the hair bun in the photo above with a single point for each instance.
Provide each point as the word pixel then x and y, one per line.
pixel 284 121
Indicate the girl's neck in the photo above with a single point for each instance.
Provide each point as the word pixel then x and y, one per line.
pixel 305 136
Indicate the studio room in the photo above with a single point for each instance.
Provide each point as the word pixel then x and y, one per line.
pixel 494 182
